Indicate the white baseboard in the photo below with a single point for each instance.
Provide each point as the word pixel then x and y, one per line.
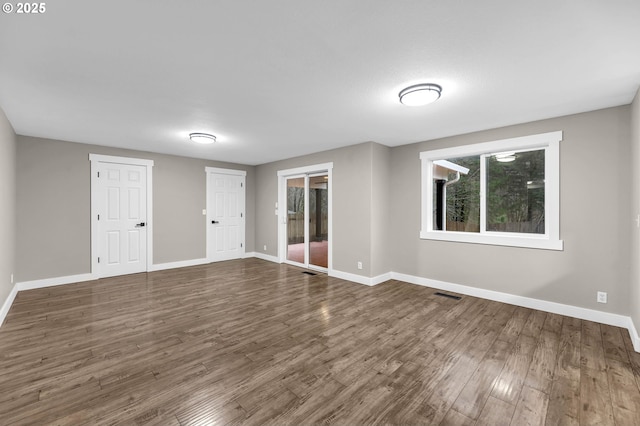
pixel 527 302
pixel 178 264
pixel 635 339
pixel 50 282
pixel 7 303
pixel 379 279
pixel 263 256
pixel 360 279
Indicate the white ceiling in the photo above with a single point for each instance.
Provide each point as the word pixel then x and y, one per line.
pixel 276 79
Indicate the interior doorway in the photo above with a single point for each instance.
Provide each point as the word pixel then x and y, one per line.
pixel 305 225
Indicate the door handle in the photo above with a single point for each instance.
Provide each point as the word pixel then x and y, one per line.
pixel 214 221
pixel 140 225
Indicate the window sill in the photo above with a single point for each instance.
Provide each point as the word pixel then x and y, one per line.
pixel 541 242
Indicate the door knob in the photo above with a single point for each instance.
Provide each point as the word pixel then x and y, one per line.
pixel 214 221
pixel 140 225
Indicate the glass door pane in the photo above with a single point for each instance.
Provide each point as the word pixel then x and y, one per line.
pixel 295 220
pixel 318 220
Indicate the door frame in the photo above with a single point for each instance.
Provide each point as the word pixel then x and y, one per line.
pixel 307 219
pixel 282 210
pixel 233 172
pixel 95 159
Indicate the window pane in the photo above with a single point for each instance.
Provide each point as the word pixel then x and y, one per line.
pixel 318 220
pixel 462 204
pixel 515 192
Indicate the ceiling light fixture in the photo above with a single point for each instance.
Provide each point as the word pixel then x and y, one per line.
pixel 202 138
pixel 420 94
pixel 506 157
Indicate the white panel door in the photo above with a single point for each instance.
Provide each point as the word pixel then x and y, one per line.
pixel 122 217
pixel 225 216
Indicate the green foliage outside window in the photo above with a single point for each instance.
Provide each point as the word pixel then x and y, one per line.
pixel 515 194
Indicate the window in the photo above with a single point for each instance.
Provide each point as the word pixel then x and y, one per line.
pixel 504 192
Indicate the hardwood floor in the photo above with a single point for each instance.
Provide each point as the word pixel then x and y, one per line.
pixel 252 342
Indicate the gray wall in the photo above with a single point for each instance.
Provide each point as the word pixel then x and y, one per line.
pixel 594 219
pixel 351 204
pixel 380 209
pixel 7 206
pixel 635 211
pixel 53 206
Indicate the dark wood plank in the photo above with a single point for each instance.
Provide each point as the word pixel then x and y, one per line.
pixel 543 363
pixel 531 408
pixel 496 412
pixel 568 360
pixel 473 397
pixel 509 384
pixel 595 397
pixel 623 386
pixel 454 418
pixel 592 348
pixel 613 343
pixel 564 402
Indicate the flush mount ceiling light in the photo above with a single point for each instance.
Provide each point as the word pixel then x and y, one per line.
pixel 506 157
pixel 202 138
pixel 420 94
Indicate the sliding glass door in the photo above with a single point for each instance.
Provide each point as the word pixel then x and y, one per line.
pixel 308 220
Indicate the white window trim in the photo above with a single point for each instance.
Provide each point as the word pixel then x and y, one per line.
pixel 550 142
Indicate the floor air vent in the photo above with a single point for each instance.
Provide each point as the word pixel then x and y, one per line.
pixel 309 273
pixel 450 296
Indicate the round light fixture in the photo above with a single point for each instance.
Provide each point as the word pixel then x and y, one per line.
pixel 202 138
pixel 506 157
pixel 420 94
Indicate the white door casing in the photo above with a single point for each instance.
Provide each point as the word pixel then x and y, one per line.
pixel 225 214
pixel 121 231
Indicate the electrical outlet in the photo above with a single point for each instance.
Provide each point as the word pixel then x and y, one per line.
pixel 11 278
pixel 602 297
pixel 359 265
pixel 264 248
pixel 204 212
